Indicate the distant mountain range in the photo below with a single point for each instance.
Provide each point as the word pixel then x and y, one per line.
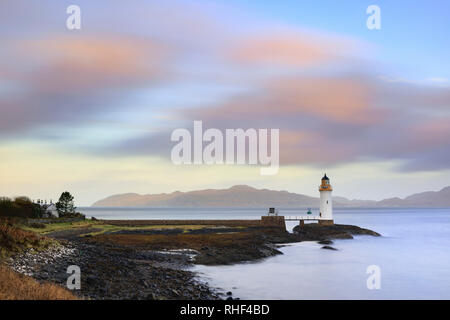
pixel 246 196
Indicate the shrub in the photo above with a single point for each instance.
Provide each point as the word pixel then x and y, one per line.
pixel 36 225
pixel 14 239
pixel 20 207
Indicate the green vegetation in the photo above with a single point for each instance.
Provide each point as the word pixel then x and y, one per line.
pixel 66 206
pixel 58 226
pixel 95 227
pixel 21 207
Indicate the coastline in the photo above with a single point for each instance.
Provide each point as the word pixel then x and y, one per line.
pixel 152 262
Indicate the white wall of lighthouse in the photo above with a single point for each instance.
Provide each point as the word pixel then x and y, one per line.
pixel 326 205
pixel 326 201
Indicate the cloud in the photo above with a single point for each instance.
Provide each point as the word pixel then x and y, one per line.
pixel 78 64
pixel 65 79
pixel 290 48
pixel 438 80
pixel 412 97
pixel 326 122
pixel 52 77
pixel 317 89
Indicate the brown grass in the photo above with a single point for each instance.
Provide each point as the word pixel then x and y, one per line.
pixel 14 239
pixel 179 241
pixel 14 286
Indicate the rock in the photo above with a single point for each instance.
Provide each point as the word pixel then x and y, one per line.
pixel 329 248
pixel 229 293
pixel 152 296
pixel 325 242
pixel 314 231
pixel 90 279
pixel 229 298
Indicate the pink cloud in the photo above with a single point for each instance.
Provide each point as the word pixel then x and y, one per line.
pixel 292 48
pixel 82 63
pixel 68 78
pixel 338 99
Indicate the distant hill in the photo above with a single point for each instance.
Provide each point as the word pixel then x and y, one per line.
pixel 246 196
pixel 429 198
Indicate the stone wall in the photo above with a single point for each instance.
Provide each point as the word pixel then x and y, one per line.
pixel 326 222
pixel 273 221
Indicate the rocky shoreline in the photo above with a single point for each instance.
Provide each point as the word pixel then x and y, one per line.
pixel 112 272
pixel 154 264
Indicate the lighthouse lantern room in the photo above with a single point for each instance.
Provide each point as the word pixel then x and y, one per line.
pixel 326 204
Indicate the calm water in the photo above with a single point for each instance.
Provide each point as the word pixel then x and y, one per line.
pixel 413 255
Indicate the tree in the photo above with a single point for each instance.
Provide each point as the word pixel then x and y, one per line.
pixel 65 205
pixel 20 207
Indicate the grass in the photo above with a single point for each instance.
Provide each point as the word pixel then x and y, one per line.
pixel 14 239
pixel 180 241
pixel 114 228
pixel 99 227
pixel 59 226
pixel 101 231
pixel 15 286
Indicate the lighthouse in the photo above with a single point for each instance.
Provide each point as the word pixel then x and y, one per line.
pixel 326 204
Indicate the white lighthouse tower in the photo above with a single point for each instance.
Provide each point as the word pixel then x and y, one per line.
pixel 326 204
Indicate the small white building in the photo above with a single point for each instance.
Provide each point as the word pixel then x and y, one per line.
pixel 50 211
pixel 272 212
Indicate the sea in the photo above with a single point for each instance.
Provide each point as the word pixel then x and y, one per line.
pixel 411 260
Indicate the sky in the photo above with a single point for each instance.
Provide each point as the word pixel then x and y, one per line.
pixel 91 111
